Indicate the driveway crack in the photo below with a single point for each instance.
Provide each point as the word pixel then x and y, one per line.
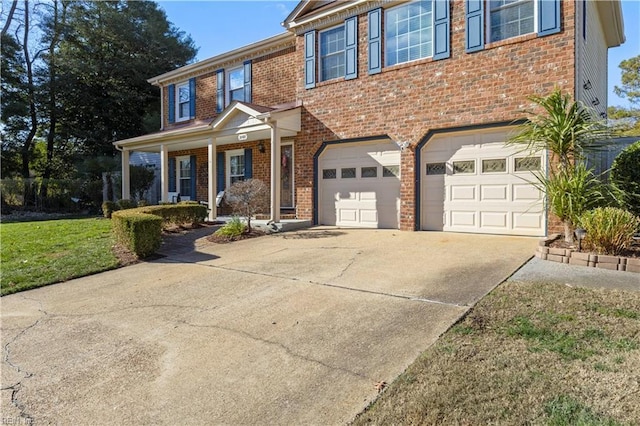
pixel 287 349
pixel 16 387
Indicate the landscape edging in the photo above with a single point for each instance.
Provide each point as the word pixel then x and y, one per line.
pixel 573 257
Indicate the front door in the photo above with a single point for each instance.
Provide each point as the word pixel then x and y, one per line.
pixel 286 176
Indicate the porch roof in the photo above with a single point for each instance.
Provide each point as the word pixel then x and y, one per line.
pixel 239 122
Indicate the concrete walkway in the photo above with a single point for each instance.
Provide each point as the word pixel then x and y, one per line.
pixel 538 270
pixel 294 328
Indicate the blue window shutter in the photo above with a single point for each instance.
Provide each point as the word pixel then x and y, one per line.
pixel 219 90
pixel 192 97
pixel 248 163
pixel 220 171
pixel 374 37
pixel 172 103
pixel 247 81
pixel 548 17
pixel 172 174
pixel 193 173
pixel 474 25
pixel 351 48
pixel 441 30
pixel 310 60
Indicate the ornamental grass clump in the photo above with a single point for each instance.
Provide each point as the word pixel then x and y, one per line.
pixel 610 230
pixel 232 230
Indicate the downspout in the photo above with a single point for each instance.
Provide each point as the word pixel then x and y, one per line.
pixel 161 108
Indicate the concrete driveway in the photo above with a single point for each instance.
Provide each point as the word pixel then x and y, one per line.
pixel 288 329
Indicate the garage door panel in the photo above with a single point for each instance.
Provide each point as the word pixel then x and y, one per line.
pixel 463 192
pixel 527 221
pixel 463 219
pixel 526 192
pixel 490 197
pixel 348 215
pixel 493 192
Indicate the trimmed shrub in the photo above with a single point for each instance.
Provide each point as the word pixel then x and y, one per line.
pixel 108 207
pixel 625 177
pixel 232 229
pixel 139 232
pixel 178 213
pixel 610 230
pixel 125 204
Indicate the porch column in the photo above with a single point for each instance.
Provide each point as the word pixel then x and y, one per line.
pixel 164 174
pixel 213 184
pixel 126 180
pixel 275 172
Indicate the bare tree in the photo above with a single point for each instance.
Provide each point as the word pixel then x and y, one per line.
pixel 247 198
pixel 7 24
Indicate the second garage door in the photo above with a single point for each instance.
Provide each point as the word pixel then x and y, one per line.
pixel 473 182
pixel 359 185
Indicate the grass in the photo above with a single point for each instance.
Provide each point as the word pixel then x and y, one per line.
pixel 540 354
pixel 34 254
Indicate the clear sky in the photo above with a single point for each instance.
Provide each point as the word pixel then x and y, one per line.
pixel 219 26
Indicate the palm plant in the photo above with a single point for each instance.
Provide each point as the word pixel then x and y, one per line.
pixel 570 193
pixel 567 130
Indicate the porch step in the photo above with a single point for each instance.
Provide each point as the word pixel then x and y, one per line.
pixel 282 216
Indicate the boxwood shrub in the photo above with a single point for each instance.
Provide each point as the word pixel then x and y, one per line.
pixel 186 212
pixel 139 232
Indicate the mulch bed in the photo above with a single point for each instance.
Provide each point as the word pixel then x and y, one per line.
pixel 633 251
pixel 221 239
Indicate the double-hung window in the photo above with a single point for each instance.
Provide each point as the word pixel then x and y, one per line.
pixel 408 32
pixel 332 53
pixel 496 20
pixel 184 176
pixel 233 84
pixel 511 18
pixel 184 98
pixel 235 77
pixel 182 101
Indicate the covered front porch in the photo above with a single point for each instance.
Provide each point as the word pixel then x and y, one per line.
pixel 236 130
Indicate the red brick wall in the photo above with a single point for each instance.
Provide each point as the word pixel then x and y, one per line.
pixel 261 164
pixel 274 78
pixel 407 100
pixel 273 83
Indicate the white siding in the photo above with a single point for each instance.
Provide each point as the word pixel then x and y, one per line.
pixel 591 52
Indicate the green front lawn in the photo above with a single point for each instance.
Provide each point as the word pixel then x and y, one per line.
pixel 527 354
pixel 34 254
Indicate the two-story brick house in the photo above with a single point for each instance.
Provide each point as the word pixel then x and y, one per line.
pixel 389 114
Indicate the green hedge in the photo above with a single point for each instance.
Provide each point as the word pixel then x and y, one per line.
pixel 139 232
pixel 186 212
pixel 140 229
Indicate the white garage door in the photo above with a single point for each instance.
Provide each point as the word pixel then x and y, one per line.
pixel 472 182
pixel 359 185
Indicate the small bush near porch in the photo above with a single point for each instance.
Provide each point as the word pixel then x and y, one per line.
pixel 35 254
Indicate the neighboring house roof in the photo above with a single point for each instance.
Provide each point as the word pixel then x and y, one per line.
pixel 259 48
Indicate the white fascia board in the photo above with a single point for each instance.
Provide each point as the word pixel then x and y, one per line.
pixel 612 21
pixel 343 5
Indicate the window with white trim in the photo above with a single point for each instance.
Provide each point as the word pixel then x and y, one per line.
pixel 235 166
pixel 183 172
pixel 511 18
pixel 332 53
pixel 408 32
pixel 235 83
pixel 183 96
